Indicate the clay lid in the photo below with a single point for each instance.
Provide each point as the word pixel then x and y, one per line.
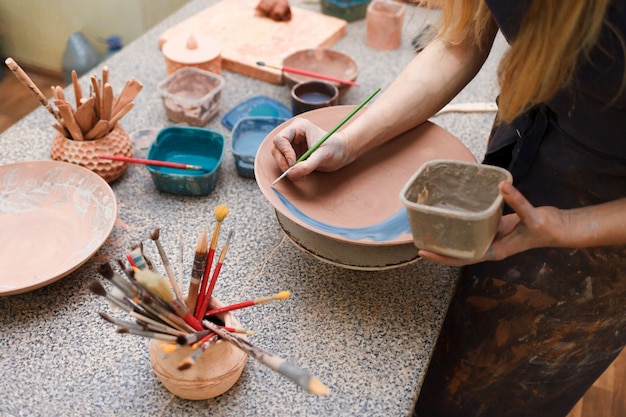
pixel 191 49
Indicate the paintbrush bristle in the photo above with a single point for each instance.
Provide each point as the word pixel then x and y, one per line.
pixel 260 63
pixel 97 288
pixel 155 234
pixel 155 283
pixel 186 364
pixel 105 270
pixel 283 295
pixel 317 387
pixel 203 243
pixel 221 212
pixel 106 317
pixel 181 340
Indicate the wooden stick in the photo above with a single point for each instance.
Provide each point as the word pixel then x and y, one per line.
pixel 96 92
pixel 117 116
pixel 68 120
pixel 129 92
pixel 25 79
pixel 85 115
pixel 78 93
pixel 107 102
pixel 154 236
pixel 100 129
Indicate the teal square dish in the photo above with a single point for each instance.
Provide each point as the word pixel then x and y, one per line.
pixel 187 145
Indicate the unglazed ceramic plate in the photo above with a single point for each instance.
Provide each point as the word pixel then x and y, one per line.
pixel 354 217
pixel 53 217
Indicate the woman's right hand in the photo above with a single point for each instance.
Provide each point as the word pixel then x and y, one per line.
pixel 300 135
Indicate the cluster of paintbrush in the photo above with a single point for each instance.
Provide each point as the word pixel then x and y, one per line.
pixel 160 312
pixel 94 115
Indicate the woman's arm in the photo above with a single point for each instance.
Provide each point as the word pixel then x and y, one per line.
pixel 433 78
pixel 540 227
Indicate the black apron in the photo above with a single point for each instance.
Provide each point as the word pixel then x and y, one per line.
pixel 527 336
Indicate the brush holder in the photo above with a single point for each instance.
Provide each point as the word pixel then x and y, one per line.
pixel 215 372
pixel 86 153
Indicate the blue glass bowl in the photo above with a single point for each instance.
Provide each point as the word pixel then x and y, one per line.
pixel 187 145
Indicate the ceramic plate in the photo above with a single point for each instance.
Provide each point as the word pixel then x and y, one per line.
pixel 53 217
pixel 354 217
pixel 256 106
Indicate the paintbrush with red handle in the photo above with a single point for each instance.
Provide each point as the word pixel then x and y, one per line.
pixel 262 300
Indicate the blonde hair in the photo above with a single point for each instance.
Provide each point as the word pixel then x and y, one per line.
pixel 553 36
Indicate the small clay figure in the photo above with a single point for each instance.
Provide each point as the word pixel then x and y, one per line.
pixel 277 10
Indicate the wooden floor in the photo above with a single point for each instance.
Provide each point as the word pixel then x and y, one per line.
pixel 16 101
pixel 607 397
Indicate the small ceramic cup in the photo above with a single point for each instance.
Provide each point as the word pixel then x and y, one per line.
pixel 311 95
pixel 384 21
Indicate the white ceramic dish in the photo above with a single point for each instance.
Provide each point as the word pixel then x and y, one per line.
pixel 354 217
pixel 53 217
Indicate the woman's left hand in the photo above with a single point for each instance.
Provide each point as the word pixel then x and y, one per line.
pixel 528 227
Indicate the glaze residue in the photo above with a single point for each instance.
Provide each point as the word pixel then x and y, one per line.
pixel 390 228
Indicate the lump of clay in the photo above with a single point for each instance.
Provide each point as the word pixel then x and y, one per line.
pixel 277 10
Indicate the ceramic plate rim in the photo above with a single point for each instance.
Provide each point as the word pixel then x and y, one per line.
pixel 49 278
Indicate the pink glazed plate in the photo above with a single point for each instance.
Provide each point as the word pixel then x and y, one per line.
pixel 53 217
pixel 354 217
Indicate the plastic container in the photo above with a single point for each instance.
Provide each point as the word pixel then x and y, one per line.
pixel 246 138
pixel 454 207
pixel 187 145
pixel 347 10
pixel 191 96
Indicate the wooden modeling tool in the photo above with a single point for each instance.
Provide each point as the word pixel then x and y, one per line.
pixel 327 135
pixel 308 73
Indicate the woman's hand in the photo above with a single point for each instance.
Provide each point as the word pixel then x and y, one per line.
pixel 300 135
pixel 529 227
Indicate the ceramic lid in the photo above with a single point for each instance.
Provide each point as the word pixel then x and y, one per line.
pixel 191 49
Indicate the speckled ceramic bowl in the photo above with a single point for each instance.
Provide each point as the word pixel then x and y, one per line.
pixel 187 145
pixel 246 138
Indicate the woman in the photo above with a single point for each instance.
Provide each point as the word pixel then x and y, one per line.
pixel 536 321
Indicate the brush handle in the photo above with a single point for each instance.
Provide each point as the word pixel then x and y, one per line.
pixel 319 76
pixel 150 162
pixel 337 127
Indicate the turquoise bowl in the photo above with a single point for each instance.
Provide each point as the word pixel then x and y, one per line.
pixel 187 145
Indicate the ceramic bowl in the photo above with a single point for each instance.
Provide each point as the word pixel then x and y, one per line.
pixel 191 96
pixel 246 138
pixel 454 207
pixel 353 217
pixel 188 145
pixel 215 372
pixel 322 61
pixel 311 95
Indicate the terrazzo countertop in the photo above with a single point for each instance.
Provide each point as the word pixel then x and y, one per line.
pixel 366 335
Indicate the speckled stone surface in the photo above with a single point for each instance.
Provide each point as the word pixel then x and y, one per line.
pixel 367 335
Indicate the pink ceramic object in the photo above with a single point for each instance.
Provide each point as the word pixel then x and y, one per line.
pixel 189 50
pixel 384 20
pixel 65 210
pixel 85 153
pixel 322 61
pixel 215 372
pixel 354 217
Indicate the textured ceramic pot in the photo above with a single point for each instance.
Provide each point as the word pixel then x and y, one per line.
pixel 215 372
pixel 86 153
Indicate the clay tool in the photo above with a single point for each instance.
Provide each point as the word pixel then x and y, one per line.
pixel 300 376
pixel 261 300
pixel 216 272
pixel 25 79
pixel 78 93
pixel 152 162
pixel 307 73
pixel 327 135
pixel 166 263
pixel 221 212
